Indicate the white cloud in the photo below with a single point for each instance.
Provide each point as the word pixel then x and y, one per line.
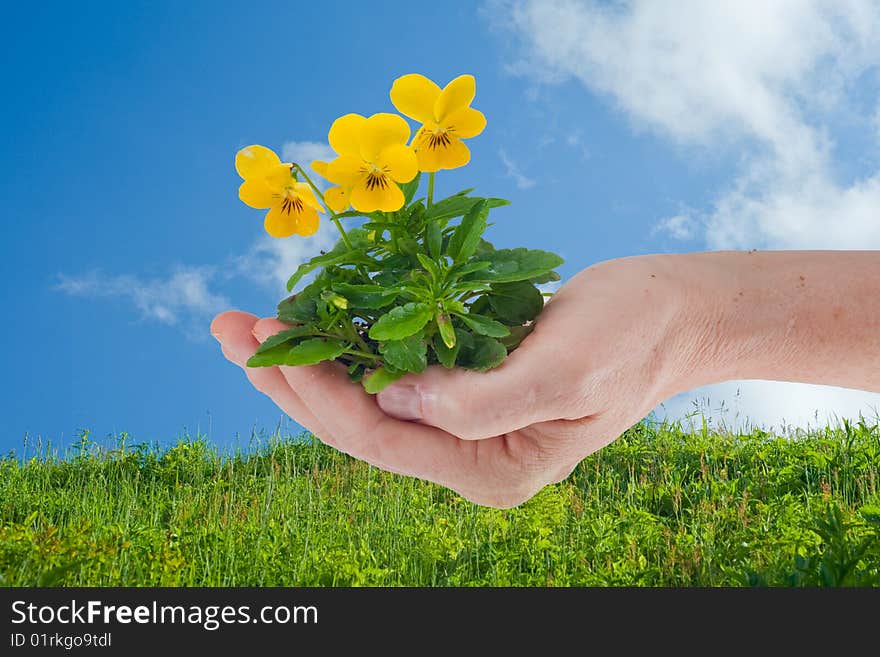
pixel 761 80
pixel 680 227
pixel 179 299
pixel 740 404
pixel 758 77
pixel 271 261
pixel 185 297
pixel 512 170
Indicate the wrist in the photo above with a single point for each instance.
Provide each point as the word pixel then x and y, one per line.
pixel 724 327
pixel 807 316
pixel 703 339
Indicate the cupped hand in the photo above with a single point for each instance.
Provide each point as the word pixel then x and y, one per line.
pixel 609 347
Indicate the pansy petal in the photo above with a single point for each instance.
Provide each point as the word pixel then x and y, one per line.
pixel 466 122
pixel 257 194
pixel 399 162
pixel 345 170
pixel 414 96
pixel 451 155
pixel 380 131
pixel 456 95
pixel 387 197
pixel 320 168
pixel 307 222
pixel 279 221
pixel 305 192
pixel 253 161
pixel 278 177
pixel 337 198
pixel 345 134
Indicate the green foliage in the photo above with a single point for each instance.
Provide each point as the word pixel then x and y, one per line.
pixel 381 378
pixel 401 321
pixel 407 355
pixel 515 302
pixel 382 296
pixel 658 507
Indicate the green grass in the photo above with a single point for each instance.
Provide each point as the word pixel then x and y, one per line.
pixel 660 506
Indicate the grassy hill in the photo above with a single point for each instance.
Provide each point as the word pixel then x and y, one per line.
pixel 660 506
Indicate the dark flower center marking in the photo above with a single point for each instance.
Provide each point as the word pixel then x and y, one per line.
pixel 376 178
pixel 438 140
pixel 289 205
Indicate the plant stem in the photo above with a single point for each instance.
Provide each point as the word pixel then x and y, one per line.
pixel 335 218
pixel 430 188
pixel 363 354
pixel 342 232
pixel 330 212
pixel 353 332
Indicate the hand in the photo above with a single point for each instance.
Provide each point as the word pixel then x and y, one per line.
pixel 616 340
pixel 598 361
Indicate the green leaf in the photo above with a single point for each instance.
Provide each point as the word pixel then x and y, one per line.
pixel 379 379
pixel 409 247
pixel 353 257
pixel 285 336
pixel 517 302
pixel 274 349
pixel 445 354
pixel 466 238
pixel 366 296
pixel 270 357
pixel 517 335
pixel 549 277
pixel 457 271
pixel 484 249
pixel 484 353
pixel 434 239
pixel 409 354
pixel 314 351
pixel 401 322
pixel 356 372
pixel 447 331
pixel 302 306
pixel 509 265
pixel 497 202
pixel 449 208
pixel 430 266
pixel 409 189
pixel 484 325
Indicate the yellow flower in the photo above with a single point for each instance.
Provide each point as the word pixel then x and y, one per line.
pixel 446 117
pixel 336 198
pixel 373 158
pixel 268 183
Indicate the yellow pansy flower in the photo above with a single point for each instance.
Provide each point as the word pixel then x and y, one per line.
pixel 336 198
pixel 446 117
pixel 373 158
pixel 268 183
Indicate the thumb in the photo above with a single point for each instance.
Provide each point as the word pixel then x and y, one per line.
pixel 477 405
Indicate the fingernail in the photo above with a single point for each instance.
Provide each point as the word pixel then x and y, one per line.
pixel 217 337
pixel 259 334
pixel 401 401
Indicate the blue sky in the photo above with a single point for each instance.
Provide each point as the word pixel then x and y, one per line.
pixel 649 127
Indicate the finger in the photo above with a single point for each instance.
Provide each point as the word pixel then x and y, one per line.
pixel 234 330
pixel 483 471
pixel 476 405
